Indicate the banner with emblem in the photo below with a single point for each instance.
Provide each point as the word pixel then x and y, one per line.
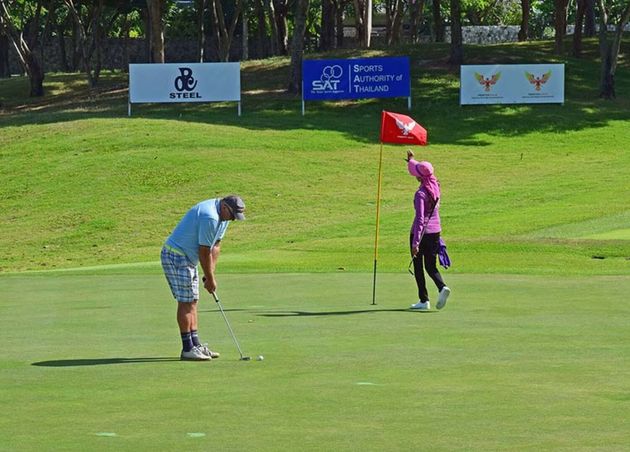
pixel 512 84
pixel 356 78
pixel 184 82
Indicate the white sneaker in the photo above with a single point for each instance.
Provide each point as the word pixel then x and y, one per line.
pixel 194 355
pixel 421 305
pixel 206 351
pixel 444 293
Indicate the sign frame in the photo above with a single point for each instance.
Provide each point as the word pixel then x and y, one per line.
pixel 511 84
pixel 184 83
pixel 356 78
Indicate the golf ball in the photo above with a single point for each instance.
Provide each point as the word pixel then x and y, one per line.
pixel 260 357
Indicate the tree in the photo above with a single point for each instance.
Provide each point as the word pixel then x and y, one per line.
pixel 202 5
pixel 223 34
pixel 5 70
pixel 327 38
pixel 394 11
pixel 297 46
pixel 609 50
pixel 589 19
pixel 155 10
pixel 363 21
pixel 577 33
pixel 457 45
pixel 92 43
pixel 523 33
pixel 415 12
pixel 560 24
pixel 280 13
pixel 273 27
pixel 438 23
pixel 341 6
pixel 25 46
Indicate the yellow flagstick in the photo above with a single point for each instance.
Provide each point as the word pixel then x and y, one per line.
pixel 378 216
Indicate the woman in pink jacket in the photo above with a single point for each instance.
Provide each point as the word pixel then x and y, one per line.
pixel 425 233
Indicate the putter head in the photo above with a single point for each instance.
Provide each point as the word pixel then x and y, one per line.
pixel 245 358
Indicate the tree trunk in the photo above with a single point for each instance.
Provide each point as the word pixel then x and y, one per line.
pixel 222 33
pixel 281 12
pixel 438 23
pixel 523 33
pixel 297 47
pixel 415 12
pixel 28 58
pixel 76 48
pixel 261 30
pixel 589 19
pixel 327 39
pixel 609 51
pixel 245 34
pixel 457 46
pixel 5 70
pixel 359 21
pixel 560 24
pixel 124 34
pixel 63 55
pixel 394 21
pixel 201 29
pixel 155 9
pixel 273 26
pixel 92 69
pixel 577 33
pixel 340 4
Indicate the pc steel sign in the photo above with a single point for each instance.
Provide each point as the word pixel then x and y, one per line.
pixel 512 84
pixel 355 78
pixel 184 82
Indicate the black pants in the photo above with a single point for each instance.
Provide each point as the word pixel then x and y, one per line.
pixel 429 246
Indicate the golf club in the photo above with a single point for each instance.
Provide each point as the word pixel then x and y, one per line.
pixel 243 358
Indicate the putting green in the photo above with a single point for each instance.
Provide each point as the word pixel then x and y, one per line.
pixel 512 362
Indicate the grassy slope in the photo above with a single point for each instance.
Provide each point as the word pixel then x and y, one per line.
pixel 534 189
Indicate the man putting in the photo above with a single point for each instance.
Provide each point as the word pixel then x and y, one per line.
pixel 197 239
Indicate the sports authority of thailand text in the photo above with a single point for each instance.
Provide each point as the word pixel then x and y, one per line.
pixel 365 78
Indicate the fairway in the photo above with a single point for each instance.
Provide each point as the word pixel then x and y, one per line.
pixel 512 362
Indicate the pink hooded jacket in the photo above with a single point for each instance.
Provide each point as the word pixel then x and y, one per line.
pixel 427 218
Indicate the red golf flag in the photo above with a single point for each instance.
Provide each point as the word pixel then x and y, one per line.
pixel 401 129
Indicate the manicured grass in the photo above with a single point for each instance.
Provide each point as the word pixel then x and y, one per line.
pixel 512 362
pixel 530 353
pixel 86 185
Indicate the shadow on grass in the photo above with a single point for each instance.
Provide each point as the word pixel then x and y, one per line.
pixel 101 361
pixel 363 311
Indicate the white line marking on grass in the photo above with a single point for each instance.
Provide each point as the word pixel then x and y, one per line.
pixel 367 383
pixel 196 435
pixel 108 434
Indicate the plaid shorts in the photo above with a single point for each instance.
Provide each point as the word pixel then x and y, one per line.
pixel 182 276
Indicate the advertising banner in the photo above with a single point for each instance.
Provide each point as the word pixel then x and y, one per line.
pixel 512 84
pixel 355 78
pixel 184 82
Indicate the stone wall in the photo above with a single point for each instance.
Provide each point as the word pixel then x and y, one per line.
pixel 118 53
pixel 486 34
